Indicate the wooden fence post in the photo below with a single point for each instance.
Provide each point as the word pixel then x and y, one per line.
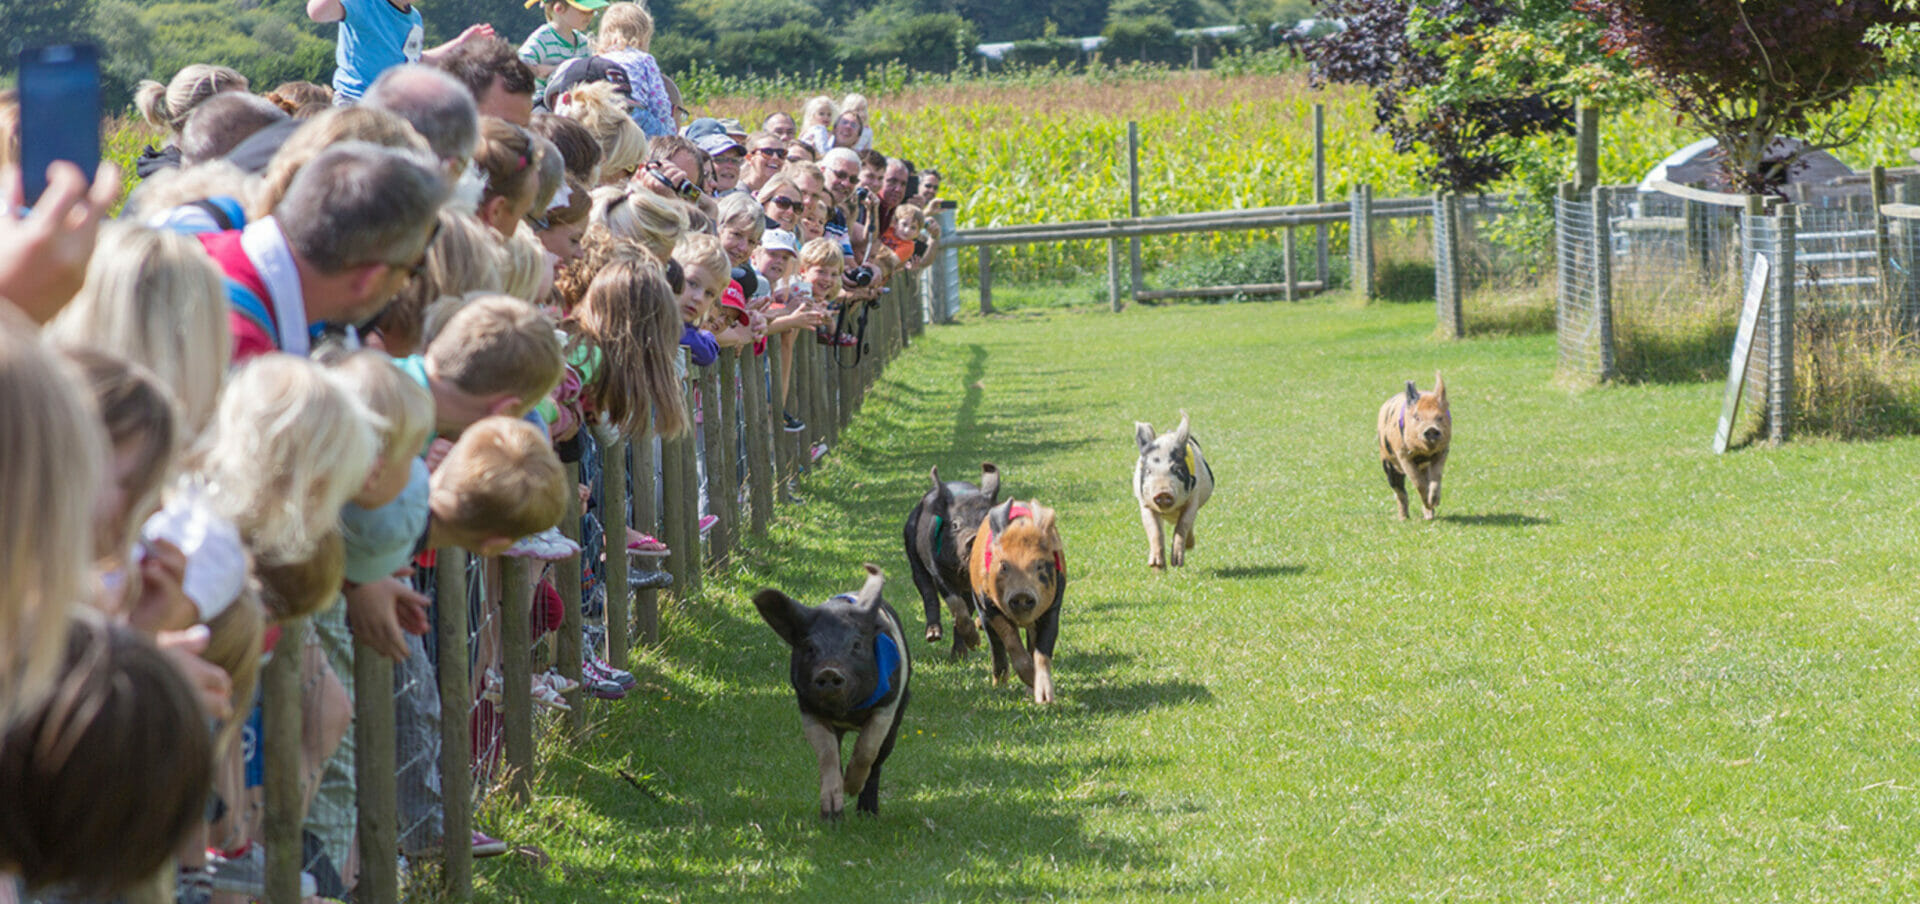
pixel 674 504
pixel 613 523
pixel 1289 273
pixel 1137 283
pixel 946 274
pixel 986 279
pixel 566 644
pixel 456 740
pixel 777 409
pixel 760 427
pixel 516 672
pixel 640 476
pixel 1360 241
pixel 1882 239
pixel 713 435
pixel 1446 265
pixel 1320 191
pixel 1113 275
pixel 731 483
pixel 1586 146
pixel 280 748
pixel 1603 277
pixel 375 782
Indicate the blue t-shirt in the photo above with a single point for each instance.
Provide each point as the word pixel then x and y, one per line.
pixel 374 37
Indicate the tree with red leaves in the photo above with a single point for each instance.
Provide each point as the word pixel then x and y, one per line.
pixel 1749 71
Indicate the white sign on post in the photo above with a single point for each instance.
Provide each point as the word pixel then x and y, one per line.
pixel 1742 347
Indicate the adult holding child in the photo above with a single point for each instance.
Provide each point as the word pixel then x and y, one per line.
pixel 377 35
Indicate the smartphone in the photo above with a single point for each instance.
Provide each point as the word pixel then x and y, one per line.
pixel 59 112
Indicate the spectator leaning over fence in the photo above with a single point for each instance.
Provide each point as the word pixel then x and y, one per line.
pixel 168 106
pixel 929 189
pixel 725 153
pixel 873 170
pixel 626 33
pixel 841 170
pixel 377 35
pixel 218 126
pixel 779 125
pixel 352 228
pixel 579 151
pixel 501 84
pixel 623 147
pixel 561 38
pixel 508 160
pixel 857 103
pixel 437 106
pixel 766 155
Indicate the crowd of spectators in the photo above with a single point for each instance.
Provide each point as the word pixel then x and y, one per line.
pixel 333 330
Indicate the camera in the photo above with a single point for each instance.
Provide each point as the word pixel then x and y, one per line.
pixel 860 193
pixel 859 277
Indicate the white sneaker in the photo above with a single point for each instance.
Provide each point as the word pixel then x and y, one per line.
pixel 548 546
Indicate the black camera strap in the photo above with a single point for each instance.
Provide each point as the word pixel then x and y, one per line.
pixel 859 335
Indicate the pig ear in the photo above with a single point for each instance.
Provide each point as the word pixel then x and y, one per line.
pixel 1143 434
pixel 869 595
pixel 1181 432
pixel 990 480
pixel 998 516
pixel 1439 387
pixel 934 475
pixel 939 489
pixel 1413 393
pixel 784 614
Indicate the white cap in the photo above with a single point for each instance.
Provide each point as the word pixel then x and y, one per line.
pixel 779 240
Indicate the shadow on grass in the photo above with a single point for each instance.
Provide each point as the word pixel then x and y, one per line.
pixel 1141 696
pixel 1236 572
pixel 1401 281
pixel 1497 519
pixel 1691 356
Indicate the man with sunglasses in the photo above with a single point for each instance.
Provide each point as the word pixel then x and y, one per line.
pixel 766 154
pixel 841 167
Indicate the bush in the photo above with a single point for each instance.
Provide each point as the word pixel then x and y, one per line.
pixel 793 47
pixel 1150 40
pixel 1262 262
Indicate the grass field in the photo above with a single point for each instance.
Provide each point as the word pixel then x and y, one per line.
pixel 1618 667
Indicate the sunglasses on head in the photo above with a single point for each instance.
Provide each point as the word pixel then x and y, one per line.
pixel 786 202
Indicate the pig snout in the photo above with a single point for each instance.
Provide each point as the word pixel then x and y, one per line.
pixel 1432 434
pixel 829 680
pixel 1022 602
pixel 1163 500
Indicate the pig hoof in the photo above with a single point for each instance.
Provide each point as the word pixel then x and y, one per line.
pixel 933 634
pixel 832 807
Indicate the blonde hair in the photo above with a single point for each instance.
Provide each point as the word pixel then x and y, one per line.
pixel 402 404
pixel 818 111
pixel 463 258
pixel 154 297
pixel 9 127
pixel 167 105
pixel 740 211
pixel 911 212
pixel 700 249
pixel 641 216
pixel 140 416
pixel 625 26
pixel 628 314
pixel 234 639
pixel 55 456
pixel 821 252
pixel 294 97
pixel 501 478
pixel 307 584
pixel 339 124
pixel 855 103
pixel 289 445
pixel 180 186
pixel 497 344
pixel 622 145
pixel 526 264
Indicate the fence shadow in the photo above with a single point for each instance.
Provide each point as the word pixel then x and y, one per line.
pixel 1498 519
pixel 1675 355
pixel 1237 572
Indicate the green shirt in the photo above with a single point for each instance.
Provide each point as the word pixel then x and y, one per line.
pixel 545 47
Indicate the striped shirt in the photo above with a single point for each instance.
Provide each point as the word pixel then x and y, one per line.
pixel 545 47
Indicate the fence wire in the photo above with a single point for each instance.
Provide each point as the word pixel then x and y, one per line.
pixel 1577 313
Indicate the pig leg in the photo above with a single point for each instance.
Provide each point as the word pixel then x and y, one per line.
pixel 1434 469
pixel 998 631
pixel 826 748
pixel 1042 678
pixel 1398 481
pixel 1183 533
pixel 924 582
pixel 966 637
pixel 1156 538
pixel 1420 485
pixel 870 750
pixel 1009 637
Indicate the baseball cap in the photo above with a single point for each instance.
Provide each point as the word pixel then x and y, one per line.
pixel 779 240
pixel 735 300
pixel 734 128
pixel 576 72
pixel 702 127
pixel 717 144
pixel 588 6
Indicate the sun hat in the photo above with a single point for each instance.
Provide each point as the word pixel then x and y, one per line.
pixel 779 240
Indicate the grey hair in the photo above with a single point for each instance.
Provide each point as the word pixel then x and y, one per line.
pixel 841 154
pixel 360 203
pixel 434 103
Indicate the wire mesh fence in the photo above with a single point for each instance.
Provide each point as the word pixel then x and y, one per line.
pixel 1579 306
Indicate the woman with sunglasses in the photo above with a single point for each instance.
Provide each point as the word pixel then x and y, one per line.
pixel 766 154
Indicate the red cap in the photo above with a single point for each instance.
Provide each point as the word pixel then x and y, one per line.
pixel 735 298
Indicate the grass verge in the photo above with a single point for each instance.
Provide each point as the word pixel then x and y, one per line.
pixel 1617 667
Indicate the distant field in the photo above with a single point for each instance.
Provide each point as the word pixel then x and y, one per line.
pixel 1618 668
